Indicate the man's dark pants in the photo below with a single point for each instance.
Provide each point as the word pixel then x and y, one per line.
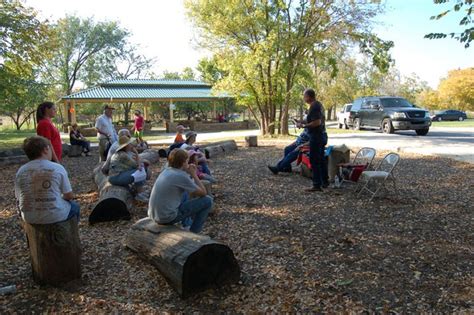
pixel 317 144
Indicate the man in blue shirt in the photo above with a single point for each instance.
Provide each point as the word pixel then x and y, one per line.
pixel 318 139
pixel 290 154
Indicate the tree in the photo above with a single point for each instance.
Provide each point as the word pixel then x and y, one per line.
pixel 428 98
pixel 456 91
pixel 79 40
pixel 465 36
pixel 265 45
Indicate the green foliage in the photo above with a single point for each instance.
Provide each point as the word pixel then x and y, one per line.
pixel 466 35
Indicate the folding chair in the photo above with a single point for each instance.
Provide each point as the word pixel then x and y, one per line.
pixel 350 172
pixel 382 173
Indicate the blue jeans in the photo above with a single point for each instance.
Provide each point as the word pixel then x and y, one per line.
pixel 75 211
pixel 86 145
pixel 205 168
pixel 125 179
pixel 197 209
pixel 291 154
pixel 317 143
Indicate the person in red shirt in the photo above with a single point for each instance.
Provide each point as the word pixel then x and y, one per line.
pixel 138 127
pixel 44 113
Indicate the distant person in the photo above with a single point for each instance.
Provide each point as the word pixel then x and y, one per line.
pixel 42 187
pixel 291 153
pixel 318 139
pixel 44 114
pixel 179 134
pixel 138 126
pixel 221 118
pixel 190 144
pixel 76 138
pixel 167 205
pixel 105 132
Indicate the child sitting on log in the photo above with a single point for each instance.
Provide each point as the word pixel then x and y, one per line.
pixel 42 187
pixel 198 159
pixel 166 204
pixel 126 169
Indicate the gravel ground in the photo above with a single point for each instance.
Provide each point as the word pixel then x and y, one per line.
pixel 320 252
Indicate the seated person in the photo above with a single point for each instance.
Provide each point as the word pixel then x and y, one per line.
pixel 167 205
pixel 189 144
pixel 42 187
pixel 290 154
pixel 113 149
pixel 194 158
pixel 142 146
pixel 123 166
pixel 179 134
pixel 76 138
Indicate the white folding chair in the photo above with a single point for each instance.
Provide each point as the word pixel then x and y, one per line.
pixel 365 156
pixel 382 173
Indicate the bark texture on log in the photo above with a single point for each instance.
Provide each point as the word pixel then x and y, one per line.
pixel 189 262
pixel 114 202
pixel 74 151
pixel 220 148
pixel 151 155
pixel 55 251
pixel 251 141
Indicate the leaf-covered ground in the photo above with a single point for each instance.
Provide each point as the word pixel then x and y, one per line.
pixel 408 252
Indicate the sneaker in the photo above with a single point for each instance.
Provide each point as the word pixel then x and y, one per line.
pixel 273 169
pixel 313 189
pixel 325 185
pixel 141 197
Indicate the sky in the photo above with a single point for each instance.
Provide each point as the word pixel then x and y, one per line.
pixel 162 30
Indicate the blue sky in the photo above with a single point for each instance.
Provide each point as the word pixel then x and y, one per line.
pixel 162 30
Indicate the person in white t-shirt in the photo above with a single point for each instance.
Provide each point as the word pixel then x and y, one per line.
pixel 105 131
pixel 42 187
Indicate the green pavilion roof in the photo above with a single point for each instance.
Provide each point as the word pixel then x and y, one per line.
pixel 144 90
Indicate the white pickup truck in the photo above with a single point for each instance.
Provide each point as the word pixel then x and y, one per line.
pixel 343 116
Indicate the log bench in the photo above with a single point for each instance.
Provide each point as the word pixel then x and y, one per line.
pixel 189 262
pixel 115 202
pixel 219 148
pixel 55 251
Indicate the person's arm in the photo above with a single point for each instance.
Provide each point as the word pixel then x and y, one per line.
pixel 201 191
pixel 65 185
pixel 73 136
pixel 137 157
pixel 68 196
pixel 99 125
pixel 315 123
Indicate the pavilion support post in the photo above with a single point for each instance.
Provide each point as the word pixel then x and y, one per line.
pixel 146 110
pixel 72 110
pixel 171 111
pixel 214 113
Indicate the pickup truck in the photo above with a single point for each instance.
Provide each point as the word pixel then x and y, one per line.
pixel 343 116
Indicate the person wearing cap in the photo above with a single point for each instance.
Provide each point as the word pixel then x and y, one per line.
pixel 105 131
pixel 167 204
pixel 138 126
pixel 189 145
pixel 123 164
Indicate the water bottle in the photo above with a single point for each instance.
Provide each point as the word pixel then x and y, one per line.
pixel 337 182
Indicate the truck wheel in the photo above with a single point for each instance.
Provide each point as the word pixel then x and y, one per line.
pixel 357 124
pixel 422 132
pixel 461 118
pixel 439 118
pixel 346 126
pixel 387 126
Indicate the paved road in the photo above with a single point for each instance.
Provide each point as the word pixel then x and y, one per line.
pixel 456 143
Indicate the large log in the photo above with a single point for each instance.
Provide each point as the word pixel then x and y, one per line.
pixel 115 202
pixel 189 262
pixel 55 251
pixel 216 149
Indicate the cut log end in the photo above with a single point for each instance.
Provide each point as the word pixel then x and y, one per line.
pixel 110 209
pixel 213 265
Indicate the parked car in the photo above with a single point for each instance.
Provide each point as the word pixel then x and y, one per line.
pixel 343 116
pixel 449 114
pixel 388 113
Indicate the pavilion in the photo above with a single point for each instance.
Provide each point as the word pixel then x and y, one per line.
pixel 140 91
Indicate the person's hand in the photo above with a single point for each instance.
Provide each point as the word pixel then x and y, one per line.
pixel 299 125
pixel 192 169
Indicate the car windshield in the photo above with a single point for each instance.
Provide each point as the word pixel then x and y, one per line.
pixel 395 102
pixel 348 108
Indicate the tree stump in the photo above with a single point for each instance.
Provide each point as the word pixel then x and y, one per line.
pixel 55 251
pixel 74 150
pixel 251 141
pixel 189 262
pixel 215 149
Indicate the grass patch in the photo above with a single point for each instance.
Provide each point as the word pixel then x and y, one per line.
pixel 12 138
pixel 460 124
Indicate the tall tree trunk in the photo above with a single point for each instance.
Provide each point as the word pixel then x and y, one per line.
pixel 127 107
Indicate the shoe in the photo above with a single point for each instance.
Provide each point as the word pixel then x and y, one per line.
pixel 141 197
pixel 287 170
pixel 313 189
pixel 326 185
pixel 273 169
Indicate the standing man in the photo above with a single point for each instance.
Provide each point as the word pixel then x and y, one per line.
pixel 138 126
pixel 318 138
pixel 105 131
